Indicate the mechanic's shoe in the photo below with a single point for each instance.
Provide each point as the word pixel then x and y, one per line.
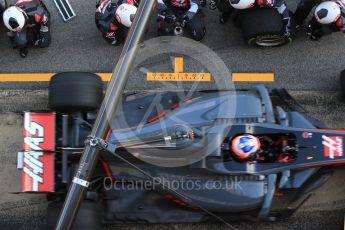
pixel 10 34
pixel 23 52
pixel 222 20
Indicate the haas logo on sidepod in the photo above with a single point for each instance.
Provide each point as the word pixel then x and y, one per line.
pixel 33 166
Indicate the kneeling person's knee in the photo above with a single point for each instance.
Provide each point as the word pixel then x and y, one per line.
pixel 197 28
pixel 20 40
pixel 44 40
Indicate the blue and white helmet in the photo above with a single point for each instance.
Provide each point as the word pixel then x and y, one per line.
pixel 245 145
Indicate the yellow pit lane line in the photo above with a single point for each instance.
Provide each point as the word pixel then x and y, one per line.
pixel 253 77
pixel 38 77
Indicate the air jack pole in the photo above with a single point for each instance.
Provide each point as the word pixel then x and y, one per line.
pixel 112 98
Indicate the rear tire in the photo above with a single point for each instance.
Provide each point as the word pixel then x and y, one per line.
pixel 89 215
pixel 262 27
pixel 75 91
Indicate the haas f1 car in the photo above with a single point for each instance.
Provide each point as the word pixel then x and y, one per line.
pixel 252 154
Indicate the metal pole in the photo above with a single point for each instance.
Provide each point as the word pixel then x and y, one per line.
pixel 113 95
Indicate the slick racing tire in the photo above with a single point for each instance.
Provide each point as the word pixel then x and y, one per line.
pixel 75 91
pixel 262 27
pixel 89 215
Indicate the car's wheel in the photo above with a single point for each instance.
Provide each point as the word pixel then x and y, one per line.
pixel 262 27
pixel 89 215
pixel 342 82
pixel 75 91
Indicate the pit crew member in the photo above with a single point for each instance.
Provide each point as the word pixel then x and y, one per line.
pixel 114 18
pixel 28 22
pixel 329 17
pixel 280 5
pixel 190 11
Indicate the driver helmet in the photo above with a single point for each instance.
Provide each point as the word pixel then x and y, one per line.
pixel 327 12
pixel 242 4
pixel 245 145
pixel 125 14
pixel 14 18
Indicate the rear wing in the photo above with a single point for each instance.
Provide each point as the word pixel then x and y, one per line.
pixel 37 158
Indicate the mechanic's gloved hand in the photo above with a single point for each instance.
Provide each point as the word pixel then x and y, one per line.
pixel 10 34
pixel 161 7
pixel 189 16
pixel 43 41
pixel 44 38
pixel 213 5
pixel 170 18
pixel 203 3
pixel 313 37
pixel 287 27
pixel 313 34
pixel 112 5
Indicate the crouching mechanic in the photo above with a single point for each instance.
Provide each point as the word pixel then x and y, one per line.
pixel 329 17
pixel 279 5
pixel 29 24
pixel 189 10
pixel 114 18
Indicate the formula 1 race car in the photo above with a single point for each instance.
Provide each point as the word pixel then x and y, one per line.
pixel 203 156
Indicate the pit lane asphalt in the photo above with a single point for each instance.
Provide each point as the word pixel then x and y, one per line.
pixel 77 46
pixel 325 210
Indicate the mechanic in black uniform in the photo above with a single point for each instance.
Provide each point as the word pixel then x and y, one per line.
pixel 29 23
pixel 226 7
pixel 329 16
pixel 113 18
pixel 190 11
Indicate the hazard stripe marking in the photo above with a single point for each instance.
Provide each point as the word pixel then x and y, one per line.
pixel 65 9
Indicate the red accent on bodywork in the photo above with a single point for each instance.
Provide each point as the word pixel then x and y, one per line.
pixel 174 106
pixel 106 167
pixel 168 196
pixel 38 146
pixel 155 118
